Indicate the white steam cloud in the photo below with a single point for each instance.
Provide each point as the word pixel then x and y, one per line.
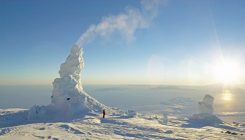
pixel 125 23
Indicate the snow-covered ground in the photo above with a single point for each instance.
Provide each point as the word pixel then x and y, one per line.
pixel 140 126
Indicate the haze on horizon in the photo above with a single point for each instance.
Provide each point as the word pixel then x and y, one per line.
pixel 188 42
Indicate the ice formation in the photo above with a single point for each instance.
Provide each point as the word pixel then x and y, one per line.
pixel 205 117
pixel 68 95
pixel 68 99
pixel 206 105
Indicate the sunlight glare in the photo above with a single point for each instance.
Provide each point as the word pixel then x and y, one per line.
pixel 227 72
pixel 227 95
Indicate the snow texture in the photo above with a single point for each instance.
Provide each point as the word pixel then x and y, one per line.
pixel 143 126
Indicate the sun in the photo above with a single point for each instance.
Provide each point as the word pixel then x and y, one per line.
pixel 227 72
pixel 227 95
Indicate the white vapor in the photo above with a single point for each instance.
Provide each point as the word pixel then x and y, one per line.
pixel 125 23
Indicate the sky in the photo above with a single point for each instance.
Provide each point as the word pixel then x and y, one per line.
pixel 185 42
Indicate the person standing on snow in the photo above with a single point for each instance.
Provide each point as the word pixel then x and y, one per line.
pixel 103 113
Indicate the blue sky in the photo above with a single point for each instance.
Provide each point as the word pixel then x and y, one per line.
pixel 181 45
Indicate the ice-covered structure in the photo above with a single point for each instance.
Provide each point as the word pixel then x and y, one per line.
pixel 68 99
pixel 205 116
pixel 68 95
pixel 206 105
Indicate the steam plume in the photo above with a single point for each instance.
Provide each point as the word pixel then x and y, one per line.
pixel 125 23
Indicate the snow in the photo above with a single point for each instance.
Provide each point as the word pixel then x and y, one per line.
pixel 142 126
pixel 68 96
pixel 124 125
pixel 68 99
pixel 205 117
pixel 206 105
pixel 14 124
pixel 202 120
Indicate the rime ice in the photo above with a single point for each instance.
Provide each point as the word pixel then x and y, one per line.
pixel 68 96
pixel 206 105
pixel 205 117
pixel 68 99
pixel 73 64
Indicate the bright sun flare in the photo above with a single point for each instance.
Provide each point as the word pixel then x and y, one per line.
pixel 227 95
pixel 227 72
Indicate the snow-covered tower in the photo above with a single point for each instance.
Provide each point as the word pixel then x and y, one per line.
pixel 68 97
pixel 205 117
pixel 206 105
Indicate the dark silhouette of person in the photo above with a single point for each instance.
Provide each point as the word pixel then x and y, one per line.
pixel 103 113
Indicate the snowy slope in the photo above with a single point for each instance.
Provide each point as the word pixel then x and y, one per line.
pixel 141 126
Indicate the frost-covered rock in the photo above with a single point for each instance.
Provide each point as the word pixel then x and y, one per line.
pixel 206 105
pixel 68 98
